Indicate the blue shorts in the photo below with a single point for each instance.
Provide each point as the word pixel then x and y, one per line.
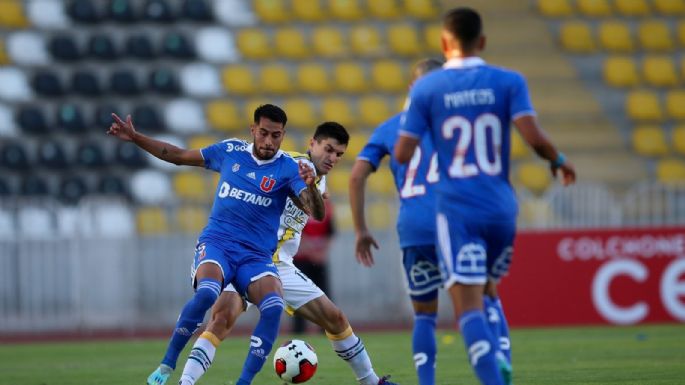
pixel 422 272
pixel 238 266
pixel 471 252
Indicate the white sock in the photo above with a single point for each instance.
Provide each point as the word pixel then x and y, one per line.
pixel 200 358
pixel 350 348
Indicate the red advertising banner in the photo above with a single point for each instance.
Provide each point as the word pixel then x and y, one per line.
pixel 615 276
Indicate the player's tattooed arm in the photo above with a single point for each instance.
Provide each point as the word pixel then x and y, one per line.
pixel 125 130
pixel 311 197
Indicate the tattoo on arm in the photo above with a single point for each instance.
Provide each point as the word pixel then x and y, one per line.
pixel 164 151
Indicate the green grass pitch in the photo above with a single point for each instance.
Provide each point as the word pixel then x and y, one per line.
pixel 640 355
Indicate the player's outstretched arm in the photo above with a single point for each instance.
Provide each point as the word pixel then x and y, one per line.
pixel 364 240
pixel 311 196
pixel 537 139
pixel 125 130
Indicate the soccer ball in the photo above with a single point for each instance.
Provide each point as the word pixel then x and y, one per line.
pixel 295 362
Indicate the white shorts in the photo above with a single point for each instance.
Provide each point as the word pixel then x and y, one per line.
pixel 298 289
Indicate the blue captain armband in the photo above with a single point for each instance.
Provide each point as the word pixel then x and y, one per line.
pixel 560 161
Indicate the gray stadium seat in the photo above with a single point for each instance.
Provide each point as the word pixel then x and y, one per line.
pixel 13 156
pixel 159 11
pixel 102 118
pixel 140 46
pixel 124 83
pixel 146 118
pixel 52 155
pixel 121 11
pixel 130 156
pixel 83 11
pixel 34 186
pixel 32 120
pixel 112 185
pixel 163 81
pixel 197 10
pixel 72 189
pixel 177 45
pixel 64 48
pixel 70 118
pixel 85 83
pixel 90 155
pixel 47 83
pixel 101 47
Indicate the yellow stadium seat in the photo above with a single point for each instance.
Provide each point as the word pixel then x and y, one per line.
pixel 519 149
pixel 632 7
pixel 594 8
pixel 272 11
pixel 535 177
pixel 290 144
pixel 404 40
pixel 660 71
pixel 365 40
pixel 555 8
pixel 576 36
pixel 192 186
pixel 680 31
pixel 615 36
pixel 338 181
pixel 670 170
pixel 313 77
pixel 389 76
pixel 308 10
pixel 670 7
pixel 382 182
pixel 4 59
pixel 250 106
pixel 275 78
pixel 291 44
pixel 301 113
pixel 384 9
pixel 421 9
pixel 338 110
pixel 254 43
pixel 621 71
pixel 152 221
pixel 191 219
pixel 348 10
pixel 400 102
pixel 642 105
pixel 373 110
pixel 679 139
pixel 329 42
pixel 380 216
pixel 12 14
pixel 357 142
pixel 350 77
pixel 682 67
pixel 223 115
pixel 675 104
pixel 238 79
pixel 431 36
pixel 201 141
pixel 649 141
pixel 654 35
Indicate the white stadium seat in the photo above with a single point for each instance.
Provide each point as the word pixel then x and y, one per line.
pixel 27 48
pixel 113 220
pixel 7 126
pixel 216 45
pixel 47 14
pixel 35 222
pixel 8 227
pixel 235 13
pixel 15 85
pixel 201 80
pixel 151 187
pixel 185 116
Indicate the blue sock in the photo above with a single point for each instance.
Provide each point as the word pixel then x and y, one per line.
pixel 191 318
pixel 504 340
pixel 424 347
pixel 481 347
pixel 263 337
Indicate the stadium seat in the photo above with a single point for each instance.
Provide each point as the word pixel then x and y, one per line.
pixel 248 111
pixel 46 14
pixel 201 80
pixel 4 58
pixel 121 11
pixel 151 221
pixel 373 110
pixel 101 47
pixel 389 76
pixel 102 116
pixel 163 81
pixel 275 79
pixel 404 40
pixel 201 141
pixel 47 83
pixel 679 139
pixel 518 148
pixel 83 11
pixel 272 11
pixel 576 36
pixel 191 219
pixel 338 181
pixel 64 48
pixel 13 156
pixel 191 186
pixel 90 155
pixel 670 170
pixel 147 118
pixel 12 15
pixel 216 45
pixel 301 113
pixel 234 13
pixel 254 43
pixel 139 46
pixel 594 8
pixel 655 35
pixel 555 8
pixel 350 77
pixel 15 85
pixel 431 37
pixel 384 9
pixel 329 42
pixel 615 36
pixel 5 191
pixel 52 155
pixel 308 10
pixel 313 78
pixel 158 11
pixel 675 104
pixel 223 115
pixel 670 7
pixel 185 116
pixel 130 156
pixel 382 182
pixel 621 71
pixel 8 127
pixel 197 10
pixel 32 120
pixel 643 105
pixel 421 9
pixel 338 109
pixel 85 83
pixel 123 82
pixel 72 189
pixel 35 222
pixel 632 8
pixel 660 71
pixel 27 48
pixel 70 119
pixel 34 186
pixel 680 31
pixel 238 79
pixel 649 141
pixel 365 40
pixel 110 184
pixel 151 187
pixel 176 45
pixel 347 10
pixel 290 43
pixel 380 216
pixel 534 176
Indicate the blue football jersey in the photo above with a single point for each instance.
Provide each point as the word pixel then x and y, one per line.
pixel 467 107
pixel 250 196
pixel 414 182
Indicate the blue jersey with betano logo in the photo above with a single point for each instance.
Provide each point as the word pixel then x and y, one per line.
pixel 467 108
pixel 414 182
pixel 251 195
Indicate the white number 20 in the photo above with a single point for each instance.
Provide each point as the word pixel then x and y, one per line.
pixel 478 135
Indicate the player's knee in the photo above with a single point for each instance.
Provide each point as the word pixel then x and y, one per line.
pixel 336 321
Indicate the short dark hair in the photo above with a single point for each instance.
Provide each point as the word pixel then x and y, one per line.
pixel 271 112
pixel 466 26
pixel 425 66
pixel 333 130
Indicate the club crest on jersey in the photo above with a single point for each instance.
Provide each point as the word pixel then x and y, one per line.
pixel 267 184
pixel 235 167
